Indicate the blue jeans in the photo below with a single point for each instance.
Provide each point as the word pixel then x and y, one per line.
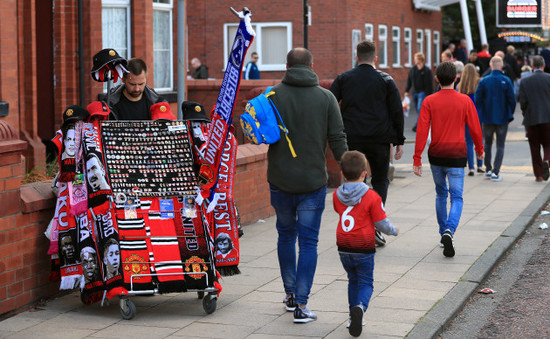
pixel 500 131
pixel 298 216
pixel 455 176
pixel 360 268
pixel 417 100
pixel 471 152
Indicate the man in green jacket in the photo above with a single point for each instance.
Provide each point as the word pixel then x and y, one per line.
pixel 298 184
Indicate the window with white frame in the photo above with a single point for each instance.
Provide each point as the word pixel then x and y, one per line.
pixel 355 40
pixel 396 44
pixel 272 42
pixel 382 46
pixel 162 45
pixel 436 49
pixel 427 38
pixel 408 47
pixel 419 41
pixel 369 32
pixel 115 23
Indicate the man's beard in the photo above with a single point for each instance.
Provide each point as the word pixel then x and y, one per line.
pixel 135 94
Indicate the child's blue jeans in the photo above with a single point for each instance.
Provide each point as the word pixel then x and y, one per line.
pixel 360 268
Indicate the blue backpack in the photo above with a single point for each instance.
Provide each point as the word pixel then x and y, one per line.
pixel 260 121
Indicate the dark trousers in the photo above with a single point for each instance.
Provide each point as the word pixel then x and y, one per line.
pixel 539 135
pixel 488 131
pixel 378 156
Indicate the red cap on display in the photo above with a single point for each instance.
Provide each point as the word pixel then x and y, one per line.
pixel 161 110
pixel 99 110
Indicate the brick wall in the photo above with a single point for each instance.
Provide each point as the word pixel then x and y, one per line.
pixel 24 215
pixel 8 59
pixel 329 36
pixel 251 189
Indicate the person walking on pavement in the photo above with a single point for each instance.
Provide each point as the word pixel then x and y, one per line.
pixel 468 85
pixel 534 98
pixel 447 112
pixel 462 52
pixel 484 57
pixel 373 116
pixel 496 103
pixel 298 184
pixel 420 80
pixel 251 71
pixel 361 212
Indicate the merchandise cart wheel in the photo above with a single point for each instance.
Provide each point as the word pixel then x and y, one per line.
pixel 209 303
pixel 200 294
pixel 127 309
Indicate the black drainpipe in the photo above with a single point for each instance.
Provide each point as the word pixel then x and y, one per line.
pixel 80 53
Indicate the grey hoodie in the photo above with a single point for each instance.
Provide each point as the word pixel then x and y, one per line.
pixel 351 193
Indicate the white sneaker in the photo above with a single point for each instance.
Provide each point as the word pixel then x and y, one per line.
pixel 290 303
pixel 488 174
pixel 496 177
pixel 304 315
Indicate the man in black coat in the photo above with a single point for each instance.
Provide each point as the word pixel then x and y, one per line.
pixel 534 98
pixel 373 115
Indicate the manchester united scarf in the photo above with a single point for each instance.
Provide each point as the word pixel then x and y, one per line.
pixel 97 181
pixel 223 111
pixel 226 233
pixel 105 231
pixel 193 245
pixel 65 142
pixel 70 268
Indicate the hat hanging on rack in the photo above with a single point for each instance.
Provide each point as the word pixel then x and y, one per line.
pixel 193 111
pixel 161 110
pixel 98 110
pixel 74 113
pixel 108 60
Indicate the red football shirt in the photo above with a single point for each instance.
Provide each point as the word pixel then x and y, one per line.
pixel 355 230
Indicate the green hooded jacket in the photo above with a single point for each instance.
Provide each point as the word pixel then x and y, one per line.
pixel 313 118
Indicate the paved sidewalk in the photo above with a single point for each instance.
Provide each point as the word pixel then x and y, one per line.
pixel 416 288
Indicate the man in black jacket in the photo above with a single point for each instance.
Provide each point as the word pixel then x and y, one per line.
pixel 420 80
pixel 534 98
pixel 132 100
pixel 373 115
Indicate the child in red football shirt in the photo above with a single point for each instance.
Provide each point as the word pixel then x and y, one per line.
pixel 361 211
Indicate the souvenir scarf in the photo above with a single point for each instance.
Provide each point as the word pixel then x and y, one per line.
pixel 70 267
pixel 193 244
pixel 65 142
pixel 133 244
pixel 107 241
pixel 222 112
pixel 165 247
pixel 92 283
pixel 226 233
pixel 97 181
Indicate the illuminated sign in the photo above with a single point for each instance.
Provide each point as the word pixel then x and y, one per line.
pixel 519 36
pixel 519 13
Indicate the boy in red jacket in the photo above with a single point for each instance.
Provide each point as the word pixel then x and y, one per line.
pixel 361 211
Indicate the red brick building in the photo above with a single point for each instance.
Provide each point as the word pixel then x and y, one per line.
pixel 46 49
pixel 335 28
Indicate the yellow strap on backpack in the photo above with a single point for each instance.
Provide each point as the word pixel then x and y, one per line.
pixel 283 127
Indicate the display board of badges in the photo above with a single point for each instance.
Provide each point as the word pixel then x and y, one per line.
pixel 148 158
